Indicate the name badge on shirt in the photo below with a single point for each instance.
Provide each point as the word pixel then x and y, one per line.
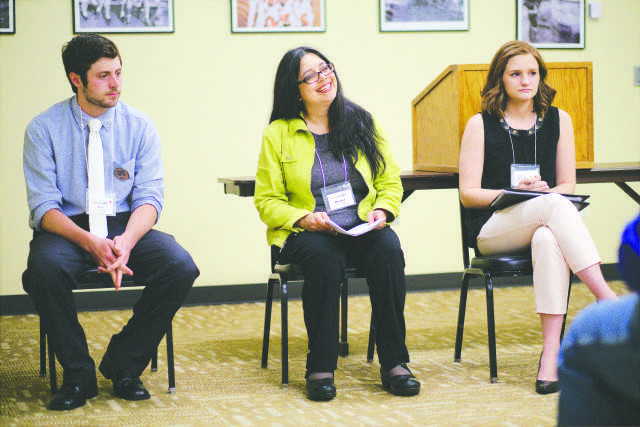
pixel 521 171
pixel 101 205
pixel 338 196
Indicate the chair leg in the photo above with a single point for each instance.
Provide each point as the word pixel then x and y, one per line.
pixel 372 340
pixel 464 290
pixel 343 348
pixel 285 333
pixel 43 351
pixel 564 320
pixel 491 331
pixel 154 361
pixel 267 323
pixel 170 361
pixel 52 367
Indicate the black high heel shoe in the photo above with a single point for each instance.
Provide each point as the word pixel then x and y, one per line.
pixel 545 386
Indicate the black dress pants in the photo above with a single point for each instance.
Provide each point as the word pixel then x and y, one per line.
pixel 157 260
pixel 323 257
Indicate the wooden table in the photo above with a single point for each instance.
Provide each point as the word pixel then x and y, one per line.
pixel 617 173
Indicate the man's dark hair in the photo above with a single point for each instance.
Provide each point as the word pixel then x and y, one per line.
pixel 82 51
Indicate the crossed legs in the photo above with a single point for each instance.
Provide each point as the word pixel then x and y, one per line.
pixel 559 241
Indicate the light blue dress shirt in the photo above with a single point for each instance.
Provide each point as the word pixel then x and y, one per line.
pixel 55 160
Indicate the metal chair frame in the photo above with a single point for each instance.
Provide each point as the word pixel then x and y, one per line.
pixel 488 267
pixel 285 273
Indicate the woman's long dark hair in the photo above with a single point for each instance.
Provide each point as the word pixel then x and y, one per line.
pixel 351 126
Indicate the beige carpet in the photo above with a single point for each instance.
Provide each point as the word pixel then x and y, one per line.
pixel 220 382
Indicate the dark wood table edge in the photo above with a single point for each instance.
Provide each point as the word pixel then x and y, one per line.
pixel 619 173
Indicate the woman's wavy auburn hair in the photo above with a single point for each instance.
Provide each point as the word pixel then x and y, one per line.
pixel 494 95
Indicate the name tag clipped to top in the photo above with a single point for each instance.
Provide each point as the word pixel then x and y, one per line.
pixel 338 196
pixel 101 205
pixel 520 171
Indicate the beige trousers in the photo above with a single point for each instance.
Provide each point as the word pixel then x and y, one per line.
pixel 559 241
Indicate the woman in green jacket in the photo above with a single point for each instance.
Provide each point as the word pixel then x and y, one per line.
pixel 323 159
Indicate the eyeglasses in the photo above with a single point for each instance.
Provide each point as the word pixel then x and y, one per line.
pixel 313 76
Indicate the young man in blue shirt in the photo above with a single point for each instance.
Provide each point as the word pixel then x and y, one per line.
pixel 66 216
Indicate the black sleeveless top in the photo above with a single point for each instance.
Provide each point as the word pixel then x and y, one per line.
pixel 498 157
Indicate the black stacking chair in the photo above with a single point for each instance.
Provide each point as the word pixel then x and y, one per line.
pixel 285 273
pixel 488 267
pixel 92 280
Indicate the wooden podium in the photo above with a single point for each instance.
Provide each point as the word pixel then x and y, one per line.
pixel 441 111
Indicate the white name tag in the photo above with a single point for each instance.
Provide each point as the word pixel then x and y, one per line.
pixel 520 172
pixel 338 196
pixel 101 205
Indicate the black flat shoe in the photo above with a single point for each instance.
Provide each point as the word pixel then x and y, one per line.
pixel 400 385
pixel 321 390
pixel 128 388
pixel 545 386
pixel 71 396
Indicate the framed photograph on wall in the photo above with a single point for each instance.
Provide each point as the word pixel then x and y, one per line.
pixel 123 16
pixel 551 24
pixel 7 16
pixel 424 15
pixel 274 16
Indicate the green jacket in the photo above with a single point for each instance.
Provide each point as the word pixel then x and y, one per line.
pixel 283 180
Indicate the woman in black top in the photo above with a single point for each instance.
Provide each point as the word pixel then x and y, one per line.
pixel 521 141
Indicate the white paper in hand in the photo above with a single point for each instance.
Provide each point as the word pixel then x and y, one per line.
pixel 358 230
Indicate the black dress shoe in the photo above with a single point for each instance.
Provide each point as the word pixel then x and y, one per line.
pixel 130 389
pixel 71 396
pixel 545 386
pixel 321 390
pixel 400 385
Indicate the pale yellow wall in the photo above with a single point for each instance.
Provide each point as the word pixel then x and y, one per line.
pixel 209 92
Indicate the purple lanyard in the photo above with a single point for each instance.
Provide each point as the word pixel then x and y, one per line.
pixel 324 182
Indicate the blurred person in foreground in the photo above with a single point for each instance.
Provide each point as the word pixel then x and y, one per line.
pixel 599 364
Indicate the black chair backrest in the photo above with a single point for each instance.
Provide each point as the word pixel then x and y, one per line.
pixel 469 245
pixel 275 253
pixel 465 240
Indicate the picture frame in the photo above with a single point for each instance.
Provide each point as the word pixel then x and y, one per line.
pixel 551 24
pixel 277 16
pixel 424 15
pixel 7 17
pixel 123 16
